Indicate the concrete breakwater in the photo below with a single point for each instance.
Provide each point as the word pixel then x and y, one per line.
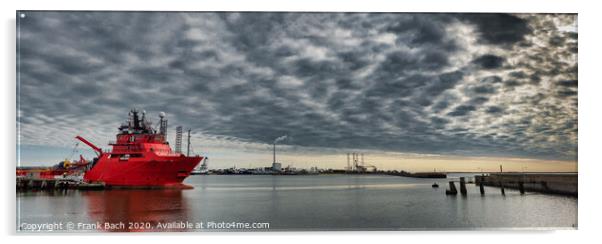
pixel 418 174
pixel 233 171
pixel 561 183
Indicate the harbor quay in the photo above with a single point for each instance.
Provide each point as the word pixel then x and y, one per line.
pixel 551 183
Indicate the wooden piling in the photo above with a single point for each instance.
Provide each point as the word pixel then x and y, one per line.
pixel 463 186
pixel 544 185
pixel 521 187
pixel 452 189
pixel 481 188
pixel 502 187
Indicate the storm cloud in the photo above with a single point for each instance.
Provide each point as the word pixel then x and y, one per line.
pixel 468 84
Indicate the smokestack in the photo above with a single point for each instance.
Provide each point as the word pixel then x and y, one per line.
pixel 348 165
pixel 275 141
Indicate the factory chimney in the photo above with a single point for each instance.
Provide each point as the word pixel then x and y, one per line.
pixel 276 166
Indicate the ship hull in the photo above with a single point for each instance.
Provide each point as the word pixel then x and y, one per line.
pixel 148 171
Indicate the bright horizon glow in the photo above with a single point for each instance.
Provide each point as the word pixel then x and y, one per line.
pixel 241 158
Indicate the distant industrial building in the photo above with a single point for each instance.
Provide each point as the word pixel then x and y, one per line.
pixel 358 166
pixel 276 167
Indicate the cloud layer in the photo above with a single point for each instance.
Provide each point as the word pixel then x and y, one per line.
pixel 463 84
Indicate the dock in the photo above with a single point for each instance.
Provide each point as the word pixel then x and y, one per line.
pixel 549 183
pixel 26 183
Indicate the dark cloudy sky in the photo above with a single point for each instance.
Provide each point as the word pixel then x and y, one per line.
pixel 491 85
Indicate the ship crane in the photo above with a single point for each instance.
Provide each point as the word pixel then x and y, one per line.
pixel 95 148
pixel 357 163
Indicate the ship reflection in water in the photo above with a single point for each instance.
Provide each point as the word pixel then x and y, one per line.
pixel 108 210
pixel 135 210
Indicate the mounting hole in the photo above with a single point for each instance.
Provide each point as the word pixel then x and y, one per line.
pixel 22 15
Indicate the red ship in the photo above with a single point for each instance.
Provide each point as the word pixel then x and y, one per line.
pixel 140 157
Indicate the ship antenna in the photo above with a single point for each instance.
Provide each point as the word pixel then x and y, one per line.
pixel 163 124
pixel 143 119
pixel 130 120
pixel 136 119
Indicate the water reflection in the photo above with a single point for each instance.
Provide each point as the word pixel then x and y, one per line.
pixel 303 203
pixel 139 210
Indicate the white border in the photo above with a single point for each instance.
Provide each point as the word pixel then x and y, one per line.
pixel 517 6
pixel 589 117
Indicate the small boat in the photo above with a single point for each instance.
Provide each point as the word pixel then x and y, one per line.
pixel 435 185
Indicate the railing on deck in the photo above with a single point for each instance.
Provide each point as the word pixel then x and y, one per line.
pixel 139 149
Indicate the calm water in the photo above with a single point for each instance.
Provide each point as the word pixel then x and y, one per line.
pixel 340 202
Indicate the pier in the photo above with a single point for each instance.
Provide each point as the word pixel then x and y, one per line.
pixel 24 184
pixel 560 184
pixel 549 183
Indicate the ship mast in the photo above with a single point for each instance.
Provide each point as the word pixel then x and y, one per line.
pixel 163 125
pixel 188 147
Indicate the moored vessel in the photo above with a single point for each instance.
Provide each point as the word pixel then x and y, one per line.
pixel 140 157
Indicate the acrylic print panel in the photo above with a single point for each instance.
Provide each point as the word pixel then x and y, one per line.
pixel 271 121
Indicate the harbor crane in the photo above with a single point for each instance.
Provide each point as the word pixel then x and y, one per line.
pixel 357 164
